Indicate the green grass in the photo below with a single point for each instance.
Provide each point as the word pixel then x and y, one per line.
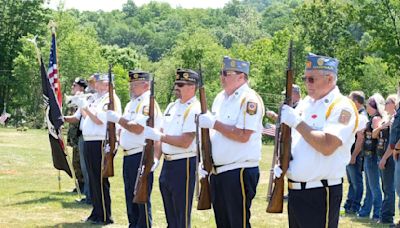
pixel 30 195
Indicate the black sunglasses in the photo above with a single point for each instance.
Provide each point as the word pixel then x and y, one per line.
pixel 180 84
pixel 308 79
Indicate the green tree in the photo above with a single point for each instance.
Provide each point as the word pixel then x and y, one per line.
pixel 375 70
pixel 191 49
pixel 78 55
pixel 130 8
pixel 18 18
pixel 126 57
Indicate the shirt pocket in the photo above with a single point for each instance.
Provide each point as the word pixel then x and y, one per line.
pixel 230 116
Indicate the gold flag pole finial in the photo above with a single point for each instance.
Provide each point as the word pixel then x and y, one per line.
pixel 52 26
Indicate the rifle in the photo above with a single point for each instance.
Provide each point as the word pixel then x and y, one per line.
pixel 111 137
pixel 140 194
pixel 274 159
pixel 282 150
pixel 204 201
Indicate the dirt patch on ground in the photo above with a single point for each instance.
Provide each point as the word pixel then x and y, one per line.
pixel 8 172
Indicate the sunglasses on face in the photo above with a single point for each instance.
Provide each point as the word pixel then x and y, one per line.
pixel 180 84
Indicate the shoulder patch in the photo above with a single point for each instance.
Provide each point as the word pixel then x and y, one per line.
pixel 251 108
pixel 344 117
pixel 145 110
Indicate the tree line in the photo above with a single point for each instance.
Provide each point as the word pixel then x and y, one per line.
pixel 363 34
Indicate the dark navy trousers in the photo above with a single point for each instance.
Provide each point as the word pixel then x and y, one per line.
pixel 99 187
pixel 316 207
pixel 139 215
pixel 177 181
pixel 232 193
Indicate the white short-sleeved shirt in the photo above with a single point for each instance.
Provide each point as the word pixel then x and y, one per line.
pixel 243 109
pixel 362 120
pixel 92 131
pixel 307 163
pixel 178 119
pixel 139 105
pixel 78 115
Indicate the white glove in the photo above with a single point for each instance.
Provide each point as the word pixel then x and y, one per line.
pixel 155 165
pixel 113 116
pixel 152 133
pixel 277 171
pixel 290 117
pixel 80 102
pixel 141 120
pixel 271 114
pixel 202 172
pixel 207 120
pixel 107 148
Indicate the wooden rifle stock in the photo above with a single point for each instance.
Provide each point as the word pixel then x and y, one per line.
pixel 274 159
pixel 111 138
pixel 283 152
pixel 204 201
pixel 140 194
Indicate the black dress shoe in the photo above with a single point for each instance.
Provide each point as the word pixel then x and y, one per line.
pixel 90 219
pixel 83 201
pixel 101 222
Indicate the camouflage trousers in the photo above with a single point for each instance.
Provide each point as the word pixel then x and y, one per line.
pixel 77 165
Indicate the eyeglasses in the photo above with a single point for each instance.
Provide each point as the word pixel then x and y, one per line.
pixel 226 73
pixel 308 79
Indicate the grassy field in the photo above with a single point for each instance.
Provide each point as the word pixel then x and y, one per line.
pixel 30 195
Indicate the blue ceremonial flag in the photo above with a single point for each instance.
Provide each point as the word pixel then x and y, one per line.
pixel 54 121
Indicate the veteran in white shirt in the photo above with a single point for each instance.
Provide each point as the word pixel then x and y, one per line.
pixel 323 125
pixel 235 124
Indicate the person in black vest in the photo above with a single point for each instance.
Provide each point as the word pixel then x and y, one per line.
pixel 394 146
pixel 386 162
pixel 375 109
pixel 354 168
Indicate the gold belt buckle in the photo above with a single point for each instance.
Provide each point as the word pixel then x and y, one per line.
pixel 167 157
pixel 290 185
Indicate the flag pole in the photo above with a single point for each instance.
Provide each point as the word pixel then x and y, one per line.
pixel 78 189
pixel 52 25
pixel 39 57
pixel 59 180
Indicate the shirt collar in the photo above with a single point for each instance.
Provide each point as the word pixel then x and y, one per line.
pixel 143 96
pixel 327 99
pixel 189 102
pixel 238 92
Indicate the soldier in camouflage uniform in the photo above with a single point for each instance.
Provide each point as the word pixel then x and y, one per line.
pixel 74 132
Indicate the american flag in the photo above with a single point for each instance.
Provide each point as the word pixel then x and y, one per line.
pixel 269 130
pixel 52 72
pixel 4 117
